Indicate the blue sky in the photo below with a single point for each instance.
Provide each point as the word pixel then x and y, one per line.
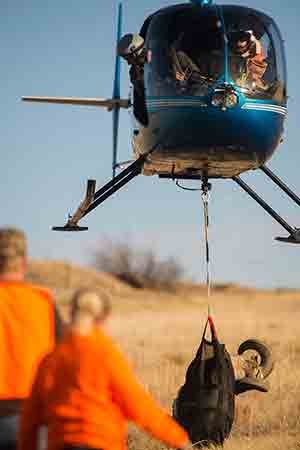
pixel 66 48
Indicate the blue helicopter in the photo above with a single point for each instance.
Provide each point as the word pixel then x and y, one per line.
pixel 208 100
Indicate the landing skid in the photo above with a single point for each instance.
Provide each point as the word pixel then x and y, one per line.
pixel 293 239
pixel 70 228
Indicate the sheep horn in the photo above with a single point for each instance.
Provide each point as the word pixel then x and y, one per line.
pixel 265 353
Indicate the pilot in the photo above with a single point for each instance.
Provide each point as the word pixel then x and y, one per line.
pixel 248 47
pixel 184 69
pixel 194 62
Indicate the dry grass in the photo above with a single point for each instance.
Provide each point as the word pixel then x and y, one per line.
pixel 160 333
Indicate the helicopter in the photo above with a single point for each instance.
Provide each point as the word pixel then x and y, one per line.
pixel 208 100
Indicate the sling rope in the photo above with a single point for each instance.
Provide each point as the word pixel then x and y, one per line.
pixel 205 190
pixel 205 198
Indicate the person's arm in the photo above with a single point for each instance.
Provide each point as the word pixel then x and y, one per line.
pixel 138 405
pixel 58 325
pixel 32 415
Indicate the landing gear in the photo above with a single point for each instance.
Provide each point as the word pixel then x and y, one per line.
pixel 94 199
pixel 294 237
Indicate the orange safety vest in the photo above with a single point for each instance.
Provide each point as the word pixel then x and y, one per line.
pixel 27 334
pixel 86 392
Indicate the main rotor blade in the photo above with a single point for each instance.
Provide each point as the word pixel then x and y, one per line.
pixel 109 103
pixel 116 117
pixel 116 94
pixel 117 78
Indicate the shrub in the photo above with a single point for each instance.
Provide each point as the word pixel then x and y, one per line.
pixel 138 268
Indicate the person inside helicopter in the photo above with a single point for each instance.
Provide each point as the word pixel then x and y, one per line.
pixel 196 61
pixel 184 69
pixel 187 61
pixel 249 50
pixel 205 66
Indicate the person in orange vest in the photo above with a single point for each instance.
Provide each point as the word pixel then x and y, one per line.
pixel 248 47
pixel 28 328
pixel 86 392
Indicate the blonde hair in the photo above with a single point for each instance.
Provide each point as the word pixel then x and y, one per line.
pixel 13 249
pixel 88 302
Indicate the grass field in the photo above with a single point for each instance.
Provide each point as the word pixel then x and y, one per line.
pixel 160 333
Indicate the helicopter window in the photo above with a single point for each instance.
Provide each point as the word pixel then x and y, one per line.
pixel 186 52
pixel 255 58
pixel 281 93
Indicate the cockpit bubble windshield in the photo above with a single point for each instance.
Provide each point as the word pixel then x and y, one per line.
pixel 256 59
pixel 186 50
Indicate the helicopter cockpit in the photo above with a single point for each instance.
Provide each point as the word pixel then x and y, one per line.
pixel 190 51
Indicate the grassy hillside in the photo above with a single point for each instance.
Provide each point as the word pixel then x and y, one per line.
pixel 160 332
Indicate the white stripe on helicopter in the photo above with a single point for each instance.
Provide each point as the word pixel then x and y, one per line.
pixel 265 107
pixel 196 103
pixel 174 103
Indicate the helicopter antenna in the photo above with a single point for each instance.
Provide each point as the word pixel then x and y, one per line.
pixel 116 95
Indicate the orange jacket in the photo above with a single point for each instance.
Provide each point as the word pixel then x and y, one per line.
pixel 86 392
pixel 257 65
pixel 26 335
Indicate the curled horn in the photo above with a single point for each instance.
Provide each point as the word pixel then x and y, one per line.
pixel 267 360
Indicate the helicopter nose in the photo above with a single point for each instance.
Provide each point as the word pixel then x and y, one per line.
pixel 213 133
pixel 224 99
pixel 193 131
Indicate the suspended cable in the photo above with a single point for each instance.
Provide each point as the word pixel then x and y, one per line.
pixel 205 188
pixel 205 194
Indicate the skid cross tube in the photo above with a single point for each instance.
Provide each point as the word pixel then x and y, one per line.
pixel 108 192
pixel 280 184
pixel 264 205
pixel 136 165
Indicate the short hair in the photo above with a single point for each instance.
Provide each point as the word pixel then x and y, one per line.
pixel 13 248
pixel 87 301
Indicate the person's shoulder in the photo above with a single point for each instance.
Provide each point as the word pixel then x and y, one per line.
pixel 35 292
pixel 105 342
pixel 25 286
pixel 42 291
pixel 112 351
pixel 101 337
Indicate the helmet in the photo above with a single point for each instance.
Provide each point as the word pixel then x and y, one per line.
pixel 243 43
pixel 131 48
